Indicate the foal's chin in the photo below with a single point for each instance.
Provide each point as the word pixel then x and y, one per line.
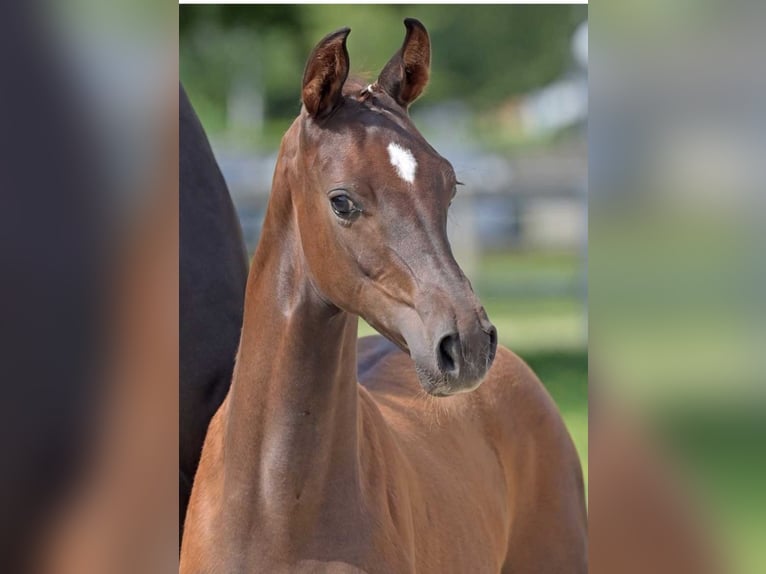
pixel 438 384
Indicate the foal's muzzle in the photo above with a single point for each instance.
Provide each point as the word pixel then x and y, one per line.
pixel 459 359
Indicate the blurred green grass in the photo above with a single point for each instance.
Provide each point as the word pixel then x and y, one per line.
pixel 547 330
pixel 565 375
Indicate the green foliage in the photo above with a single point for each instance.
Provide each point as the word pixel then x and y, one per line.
pixel 481 54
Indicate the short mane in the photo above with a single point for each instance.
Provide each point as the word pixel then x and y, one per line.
pixel 354 85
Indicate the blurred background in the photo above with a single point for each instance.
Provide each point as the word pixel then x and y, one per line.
pixel 676 234
pixel 507 105
pixel 676 270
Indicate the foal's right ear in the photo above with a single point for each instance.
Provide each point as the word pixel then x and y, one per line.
pixel 326 72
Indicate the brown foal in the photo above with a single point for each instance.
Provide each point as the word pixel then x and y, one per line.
pixel 331 455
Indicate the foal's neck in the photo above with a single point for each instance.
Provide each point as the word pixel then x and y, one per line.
pixel 291 436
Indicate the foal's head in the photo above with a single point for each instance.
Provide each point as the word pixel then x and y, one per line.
pixel 372 213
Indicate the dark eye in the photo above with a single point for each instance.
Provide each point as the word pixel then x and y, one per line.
pixel 343 206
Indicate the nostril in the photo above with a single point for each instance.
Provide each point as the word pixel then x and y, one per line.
pixel 448 350
pixel 492 343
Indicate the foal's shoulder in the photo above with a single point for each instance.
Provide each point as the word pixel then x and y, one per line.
pixel 511 376
pixel 516 394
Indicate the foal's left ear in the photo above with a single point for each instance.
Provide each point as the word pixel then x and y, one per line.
pixel 326 72
pixel 406 75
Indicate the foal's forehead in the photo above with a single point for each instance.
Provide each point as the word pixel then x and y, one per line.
pixel 382 144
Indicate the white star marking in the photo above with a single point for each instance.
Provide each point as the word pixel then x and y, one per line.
pixel 404 162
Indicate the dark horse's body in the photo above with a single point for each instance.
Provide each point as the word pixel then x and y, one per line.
pixel 213 272
pixel 53 223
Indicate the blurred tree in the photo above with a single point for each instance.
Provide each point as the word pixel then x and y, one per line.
pixel 482 54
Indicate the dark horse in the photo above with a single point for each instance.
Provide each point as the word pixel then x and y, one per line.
pixel 306 470
pixel 213 272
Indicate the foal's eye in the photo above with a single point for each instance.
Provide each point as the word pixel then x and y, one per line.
pixel 343 206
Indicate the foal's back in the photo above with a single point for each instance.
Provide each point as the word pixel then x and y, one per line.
pixel 483 463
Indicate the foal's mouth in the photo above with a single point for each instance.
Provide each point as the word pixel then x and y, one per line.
pixel 459 363
pixel 452 348
pixel 439 385
pixel 434 386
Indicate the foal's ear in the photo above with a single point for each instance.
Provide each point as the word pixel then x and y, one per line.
pixel 406 75
pixel 326 72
